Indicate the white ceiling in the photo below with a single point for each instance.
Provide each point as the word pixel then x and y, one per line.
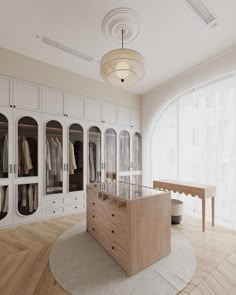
pixel 172 38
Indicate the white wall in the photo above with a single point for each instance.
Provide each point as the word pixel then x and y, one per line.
pixel 25 68
pixel 156 100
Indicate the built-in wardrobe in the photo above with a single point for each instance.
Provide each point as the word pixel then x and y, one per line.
pixel 53 143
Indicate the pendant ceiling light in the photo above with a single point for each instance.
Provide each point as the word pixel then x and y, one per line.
pixel 122 67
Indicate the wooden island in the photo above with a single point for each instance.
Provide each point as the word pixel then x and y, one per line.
pixel 132 223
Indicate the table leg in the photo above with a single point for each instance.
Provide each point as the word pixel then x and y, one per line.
pixel 213 211
pixel 203 214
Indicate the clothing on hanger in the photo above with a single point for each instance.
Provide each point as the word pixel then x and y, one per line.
pixel 53 153
pixel 92 161
pixel 35 197
pixel 5 155
pixel 78 149
pixel 27 163
pixel 30 198
pixel 72 162
pixel 24 196
pixel 59 164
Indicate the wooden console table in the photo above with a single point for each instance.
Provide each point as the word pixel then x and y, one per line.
pixel 202 191
pixel 131 222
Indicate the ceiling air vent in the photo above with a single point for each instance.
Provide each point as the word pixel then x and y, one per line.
pixel 201 9
pixel 65 48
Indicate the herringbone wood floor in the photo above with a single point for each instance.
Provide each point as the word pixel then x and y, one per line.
pixel 24 252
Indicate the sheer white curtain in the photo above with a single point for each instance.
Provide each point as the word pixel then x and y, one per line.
pixel 195 140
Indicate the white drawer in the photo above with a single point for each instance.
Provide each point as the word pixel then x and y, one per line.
pixel 74 199
pixel 53 212
pixel 74 208
pixel 53 202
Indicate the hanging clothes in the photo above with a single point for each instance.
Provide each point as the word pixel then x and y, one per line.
pixel 78 149
pixel 33 150
pixel 6 200
pixel 59 157
pixel 30 198
pixel 35 197
pixel 53 153
pixel 24 196
pixel 48 161
pixel 72 162
pixel 2 198
pixel 5 155
pixel 27 162
pixel 92 161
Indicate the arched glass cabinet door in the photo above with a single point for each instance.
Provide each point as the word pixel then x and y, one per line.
pixel 94 155
pixel 54 157
pixel 110 153
pixel 76 158
pixel 137 152
pixel 27 151
pixel 4 149
pixel 124 151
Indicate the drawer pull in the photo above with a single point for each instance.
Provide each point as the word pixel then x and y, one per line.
pixel 93 216
pixel 54 202
pixel 112 247
pixel 93 203
pixel 93 229
pixel 112 215
pixel 76 198
pixel 76 207
pixel 113 231
pixel 53 211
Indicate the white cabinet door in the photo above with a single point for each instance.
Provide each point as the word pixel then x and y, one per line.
pixel 123 116
pixel 92 110
pixel 26 95
pixel 108 113
pixel 135 119
pixel 5 91
pixel 74 105
pixel 53 101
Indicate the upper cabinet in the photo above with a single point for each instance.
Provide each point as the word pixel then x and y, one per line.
pixel 123 116
pixel 74 106
pixel 53 101
pixel 109 113
pixel 135 118
pixel 128 117
pixel 92 109
pixel 5 91
pixel 26 96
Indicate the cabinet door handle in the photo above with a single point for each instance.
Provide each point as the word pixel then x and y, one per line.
pixel 93 229
pixel 14 168
pixel 93 203
pixel 113 231
pixel 10 168
pixel 93 216
pixel 112 215
pixel 112 247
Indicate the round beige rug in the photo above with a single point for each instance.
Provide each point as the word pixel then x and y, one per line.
pixel 82 267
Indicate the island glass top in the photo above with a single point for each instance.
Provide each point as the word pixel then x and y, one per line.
pixel 126 190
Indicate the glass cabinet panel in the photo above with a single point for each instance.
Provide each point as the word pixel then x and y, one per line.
pixel 124 151
pixel 137 151
pixel 3 201
pixel 94 155
pixel 137 179
pixel 125 178
pixel 27 198
pixel 3 146
pixel 27 150
pixel 110 155
pixel 75 158
pixel 54 158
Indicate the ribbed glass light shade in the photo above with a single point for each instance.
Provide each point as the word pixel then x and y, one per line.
pixel 122 67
